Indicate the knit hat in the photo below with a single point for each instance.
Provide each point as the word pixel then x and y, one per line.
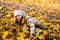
pixel 18 12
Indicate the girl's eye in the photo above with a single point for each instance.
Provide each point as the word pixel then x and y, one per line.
pixel 17 15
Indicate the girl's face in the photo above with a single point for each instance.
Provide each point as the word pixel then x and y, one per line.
pixel 18 18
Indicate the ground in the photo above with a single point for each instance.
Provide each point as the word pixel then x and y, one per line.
pixel 47 12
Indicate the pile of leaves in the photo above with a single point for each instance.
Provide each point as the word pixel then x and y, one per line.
pixel 49 17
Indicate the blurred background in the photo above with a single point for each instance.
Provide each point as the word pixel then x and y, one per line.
pixel 46 11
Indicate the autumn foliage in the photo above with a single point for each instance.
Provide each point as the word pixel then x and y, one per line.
pixel 46 11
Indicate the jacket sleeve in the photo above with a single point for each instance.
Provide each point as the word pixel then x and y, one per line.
pixel 40 24
pixel 32 26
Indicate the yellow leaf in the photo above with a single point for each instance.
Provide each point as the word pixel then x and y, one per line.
pixel 32 12
pixel 41 37
pixel 23 20
pixel 0 7
pixel 5 34
pixel 8 15
pixel 20 38
pixel 6 0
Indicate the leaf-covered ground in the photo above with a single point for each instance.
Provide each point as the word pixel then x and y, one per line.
pixel 47 12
